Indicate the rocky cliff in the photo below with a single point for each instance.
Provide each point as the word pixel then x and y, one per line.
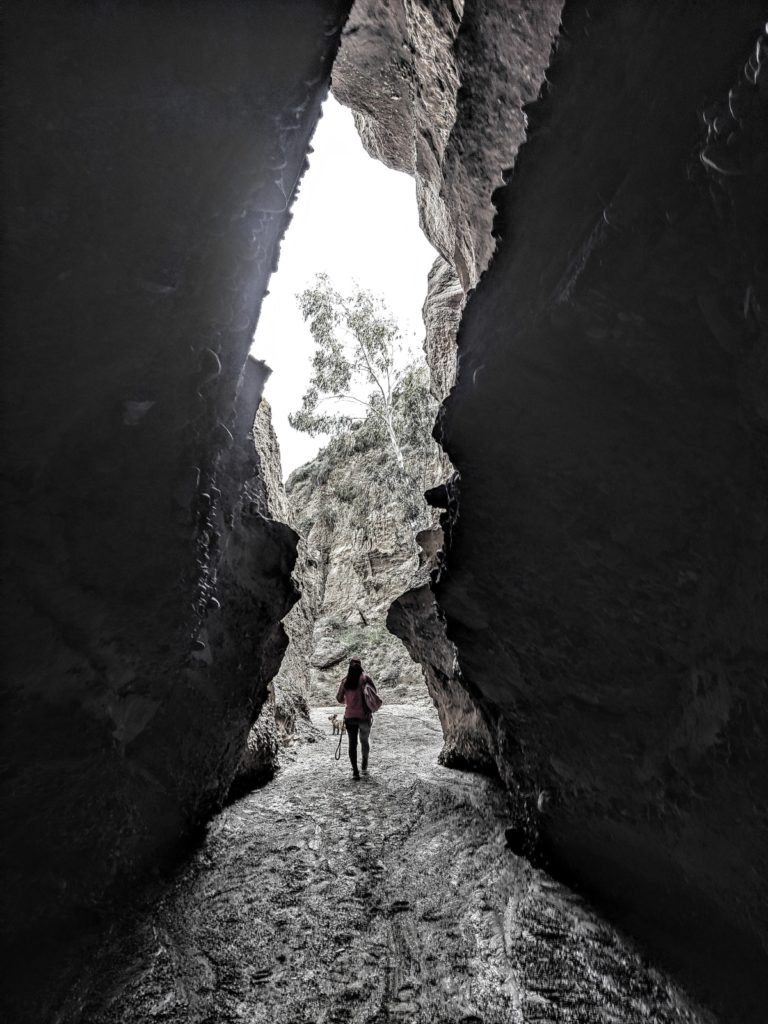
pixel 361 542
pixel 427 103
pixel 469 740
pixel 286 709
pixel 438 91
pixel 152 156
pixel 606 583
pixel 603 578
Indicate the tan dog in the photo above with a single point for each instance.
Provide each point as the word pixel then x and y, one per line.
pixel 338 725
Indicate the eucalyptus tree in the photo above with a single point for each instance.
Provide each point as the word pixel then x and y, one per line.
pixel 361 379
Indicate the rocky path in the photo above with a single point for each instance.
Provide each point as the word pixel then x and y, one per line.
pixel 317 899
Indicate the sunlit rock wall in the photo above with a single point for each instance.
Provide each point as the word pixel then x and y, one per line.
pixel 606 568
pixel 468 741
pixel 150 156
pixel 438 91
pixel 361 553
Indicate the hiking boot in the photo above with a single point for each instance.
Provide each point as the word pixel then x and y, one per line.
pixel 355 775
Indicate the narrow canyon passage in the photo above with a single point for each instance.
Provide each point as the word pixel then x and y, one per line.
pixel 317 899
pixel 583 592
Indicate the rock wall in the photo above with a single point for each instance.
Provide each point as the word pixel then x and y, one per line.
pixel 603 578
pixel 438 90
pixel 151 155
pixel 361 553
pixel 468 742
pixel 415 618
pixel 606 568
pixel 605 552
pixel 287 704
pixel 292 680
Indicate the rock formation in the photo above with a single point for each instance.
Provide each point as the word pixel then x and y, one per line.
pixel 292 680
pixel 427 102
pixel 603 573
pixel 414 617
pixel 152 155
pixel 286 706
pixel 361 545
pixel 438 91
pixel 605 584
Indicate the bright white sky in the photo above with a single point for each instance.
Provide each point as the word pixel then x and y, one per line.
pixel 355 220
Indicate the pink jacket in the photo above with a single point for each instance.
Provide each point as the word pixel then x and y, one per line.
pixel 353 700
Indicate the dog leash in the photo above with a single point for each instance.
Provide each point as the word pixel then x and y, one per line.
pixel 337 755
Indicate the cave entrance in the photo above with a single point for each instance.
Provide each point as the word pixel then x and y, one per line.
pixel 355 501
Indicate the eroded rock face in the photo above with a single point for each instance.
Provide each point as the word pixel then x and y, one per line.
pixel 442 315
pixel 438 90
pixel 152 155
pixel 289 688
pixel 361 554
pixel 468 741
pixel 604 591
pixel 608 559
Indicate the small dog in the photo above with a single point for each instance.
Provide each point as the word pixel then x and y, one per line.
pixel 338 725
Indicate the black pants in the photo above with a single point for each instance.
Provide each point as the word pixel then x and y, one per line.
pixel 355 726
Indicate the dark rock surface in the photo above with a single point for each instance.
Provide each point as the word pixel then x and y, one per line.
pixel 286 708
pixel 606 546
pixel 468 741
pixel 606 585
pixel 282 723
pixel 396 898
pixel 150 154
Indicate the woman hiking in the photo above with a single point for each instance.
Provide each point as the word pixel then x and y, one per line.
pixel 357 715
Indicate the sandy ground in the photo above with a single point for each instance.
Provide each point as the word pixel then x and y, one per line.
pixel 319 899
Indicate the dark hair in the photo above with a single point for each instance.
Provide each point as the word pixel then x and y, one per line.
pixel 354 672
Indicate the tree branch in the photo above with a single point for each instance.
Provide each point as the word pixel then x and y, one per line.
pixel 371 370
pixel 342 398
